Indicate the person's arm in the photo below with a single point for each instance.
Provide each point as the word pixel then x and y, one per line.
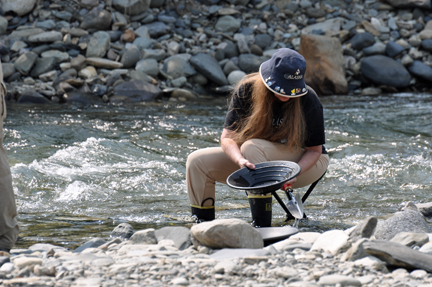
pixel 309 158
pixel 232 150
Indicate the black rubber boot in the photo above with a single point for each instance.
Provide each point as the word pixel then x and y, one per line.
pixel 261 209
pixel 204 213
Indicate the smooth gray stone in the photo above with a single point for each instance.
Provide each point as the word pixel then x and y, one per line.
pixel 93 243
pixel 123 230
pixel 97 19
pixel 209 67
pixel 421 70
pixel 382 70
pixel 32 97
pixel 157 29
pixel 177 66
pixel 425 209
pixel 362 40
pixel 393 49
pixel 180 235
pixel 398 255
pixel 25 62
pixel 229 253
pixel 131 7
pixel 364 229
pixel 137 91
pixel 130 57
pixel 42 66
pixel 250 63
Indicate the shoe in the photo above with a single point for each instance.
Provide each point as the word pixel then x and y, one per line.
pixel 261 209
pixel 203 214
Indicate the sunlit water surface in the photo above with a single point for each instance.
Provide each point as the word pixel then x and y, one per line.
pixel 80 171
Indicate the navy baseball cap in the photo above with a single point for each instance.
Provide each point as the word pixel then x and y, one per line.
pixel 283 73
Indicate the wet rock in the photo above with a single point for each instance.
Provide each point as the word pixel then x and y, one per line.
pixel 123 230
pixel 137 91
pixel 227 233
pixel 32 97
pixel 183 95
pixel 325 74
pixel 382 70
pixel 80 98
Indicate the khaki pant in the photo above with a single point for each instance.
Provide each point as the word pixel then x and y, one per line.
pixel 207 166
pixel 8 224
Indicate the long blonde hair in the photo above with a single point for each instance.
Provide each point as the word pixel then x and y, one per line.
pixel 258 122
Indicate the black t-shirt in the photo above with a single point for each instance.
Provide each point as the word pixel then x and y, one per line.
pixel 240 107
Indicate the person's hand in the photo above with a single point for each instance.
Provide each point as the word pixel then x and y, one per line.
pixel 245 163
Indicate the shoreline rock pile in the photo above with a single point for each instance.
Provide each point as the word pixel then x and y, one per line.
pixel 392 252
pixel 93 51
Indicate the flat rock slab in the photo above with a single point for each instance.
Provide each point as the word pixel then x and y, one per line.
pixel 277 233
pixel 398 255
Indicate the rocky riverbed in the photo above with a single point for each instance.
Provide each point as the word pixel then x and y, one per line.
pixel 91 51
pixel 230 252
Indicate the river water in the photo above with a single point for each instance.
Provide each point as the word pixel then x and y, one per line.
pixel 80 171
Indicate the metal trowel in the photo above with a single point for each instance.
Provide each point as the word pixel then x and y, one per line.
pixel 294 204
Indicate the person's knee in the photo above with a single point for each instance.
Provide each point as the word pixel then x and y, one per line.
pixel 193 159
pixel 250 149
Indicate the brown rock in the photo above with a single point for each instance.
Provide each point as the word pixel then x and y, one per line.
pixel 128 36
pixel 325 64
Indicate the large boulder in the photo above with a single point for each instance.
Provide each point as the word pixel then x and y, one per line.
pixel 325 71
pixel 97 19
pixel 382 70
pixel 210 68
pixel 410 3
pixel 227 233
pixel 20 7
pixel 421 70
pixel 135 91
pixel 131 7
pixel 406 221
